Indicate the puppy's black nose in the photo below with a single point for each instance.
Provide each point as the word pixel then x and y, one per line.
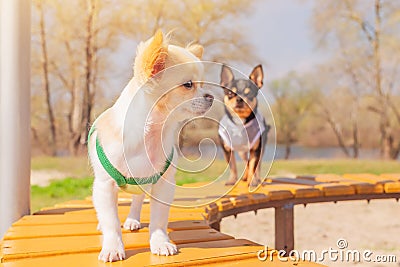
pixel 208 97
pixel 239 100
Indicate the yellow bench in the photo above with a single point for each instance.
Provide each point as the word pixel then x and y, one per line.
pixel 283 193
pixel 66 233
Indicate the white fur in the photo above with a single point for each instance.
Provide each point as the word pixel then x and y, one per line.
pixel 141 155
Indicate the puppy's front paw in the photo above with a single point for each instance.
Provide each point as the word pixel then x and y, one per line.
pixel 164 248
pixel 160 245
pixel 232 180
pixel 131 224
pixel 113 250
pixel 245 176
pixel 255 182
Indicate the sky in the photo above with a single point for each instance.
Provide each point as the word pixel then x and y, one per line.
pixel 279 30
pixel 282 36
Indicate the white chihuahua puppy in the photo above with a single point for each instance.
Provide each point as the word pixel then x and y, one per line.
pixel 131 139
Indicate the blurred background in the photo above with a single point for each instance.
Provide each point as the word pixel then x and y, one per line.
pixel 332 67
pixel 331 79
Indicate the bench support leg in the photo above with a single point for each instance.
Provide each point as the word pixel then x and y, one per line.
pixel 284 228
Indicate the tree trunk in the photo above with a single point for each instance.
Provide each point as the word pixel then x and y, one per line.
pixel 385 127
pixel 354 123
pixel 355 141
pixel 335 128
pixel 288 142
pixel 287 149
pixel 84 101
pixel 46 85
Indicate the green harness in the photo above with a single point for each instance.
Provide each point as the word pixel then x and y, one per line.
pixel 122 181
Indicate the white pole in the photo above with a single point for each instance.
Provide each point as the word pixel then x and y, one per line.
pixel 14 111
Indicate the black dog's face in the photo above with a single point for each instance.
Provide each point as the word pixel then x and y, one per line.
pixel 241 95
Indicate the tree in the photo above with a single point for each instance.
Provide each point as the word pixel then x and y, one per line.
pixel 339 102
pixel 334 108
pixel 75 62
pixel 366 33
pixel 44 65
pixel 209 23
pixel 79 37
pixel 293 99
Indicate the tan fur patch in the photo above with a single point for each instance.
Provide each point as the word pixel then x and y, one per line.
pixel 155 55
pixel 247 90
pixel 244 112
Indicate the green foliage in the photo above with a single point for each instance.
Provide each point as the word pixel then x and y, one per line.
pixel 59 191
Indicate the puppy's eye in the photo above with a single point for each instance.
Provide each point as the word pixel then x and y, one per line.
pixel 188 85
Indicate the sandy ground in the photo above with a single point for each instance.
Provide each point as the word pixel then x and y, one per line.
pixel 44 177
pixel 374 226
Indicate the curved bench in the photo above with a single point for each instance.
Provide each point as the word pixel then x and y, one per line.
pixel 283 193
pixel 66 233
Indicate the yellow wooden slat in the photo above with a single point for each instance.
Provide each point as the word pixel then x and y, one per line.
pixel 292 181
pixel 83 229
pixel 191 254
pixel 240 201
pixel 91 218
pixel 335 189
pixel 360 187
pixel 254 262
pixel 257 198
pixel 145 210
pixel 275 192
pixel 392 187
pixel 224 204
pixel 123 197
pixel 327 178
pixel 391 176
pixel 365 188
pixel 367 177
pixel 300 191
pixel 40 247
pixel 390 184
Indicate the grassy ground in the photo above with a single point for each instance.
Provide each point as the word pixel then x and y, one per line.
pixel 75 166
pixel 71 188
pixel 60 191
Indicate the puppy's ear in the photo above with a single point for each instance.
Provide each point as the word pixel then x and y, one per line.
pixel 196 50
pixel 257 76
pixel 151 57
pixel 226 75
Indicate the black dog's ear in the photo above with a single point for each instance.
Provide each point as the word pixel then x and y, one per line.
pixel 226 76
pixel 257 76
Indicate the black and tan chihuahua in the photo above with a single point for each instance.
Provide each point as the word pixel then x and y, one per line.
pixel 243 128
